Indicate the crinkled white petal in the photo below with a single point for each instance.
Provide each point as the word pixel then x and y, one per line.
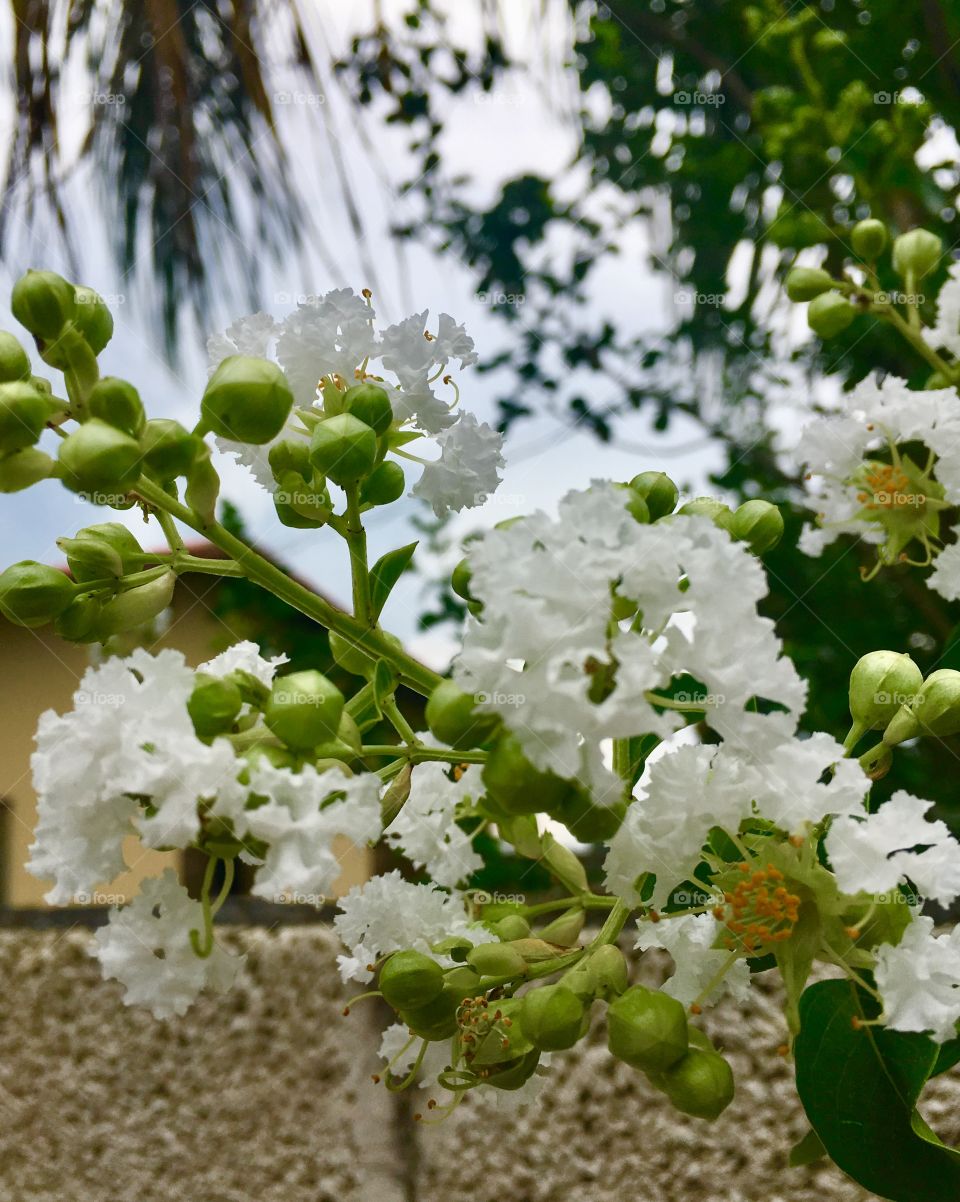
pixel 919 980
pixel 689 940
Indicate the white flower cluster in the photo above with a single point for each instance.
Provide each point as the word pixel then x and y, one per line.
pixel 426 829
pixel 545 635
pixel 334 335
pixel 126 761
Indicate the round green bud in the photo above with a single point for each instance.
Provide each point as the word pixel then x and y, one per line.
pixel 32 594
pixel 290 455
pixel 136 607
pixel 869 239
pixel 117 403
pixel 98 458
pixel 288 516
pixel 78 622
pixel 880 683
pixel 437 1019
pixel 453 717
pixel 830 314
pixel 587 821
pixel 304 709
pixel 565 929
pixel 497 960
pixel 759 524
pixel 91 558
pixel 806 283
pixel 551 1017
pixel 117 536
pixel 276 757
pixel 247 400
pixel 23 414
pixel 516 785
pixel 214 705
pixel 636 505
pixel 916 253
pixel 92 318
pixel 410 979
pixel 14 360
pixel 609 968
pixel 647 1029
pixel 21 469
pixel 168 448
pixel 371 404
pixel 343 448
pixel 659 492
pixel 934 710
pixel 700 1084
pixel 460 580
pixel 512 926
pixel 43 302
pixel 721 515
pixel 384 485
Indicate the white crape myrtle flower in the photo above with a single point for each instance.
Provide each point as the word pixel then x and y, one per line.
pixel 244 657
pixel 304 813
pixel 945 332
pixel 416 358
pixel 853 487
pixel 545 635
pixel 919 980
pixel 327 335
pixel 945 577
pixel 876 852
pixel 467 470
pixel 425 830
pixel 690 941
pixel 388 914
pixel 146 946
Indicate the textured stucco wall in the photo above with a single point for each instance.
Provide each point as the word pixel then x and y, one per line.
pixel 264 1096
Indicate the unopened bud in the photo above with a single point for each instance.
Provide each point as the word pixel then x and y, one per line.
pixel 23 414
pixel 589 821
pixel 436 1019
pixel 869 239
pixel 213 705
pixel 32 594
pixel 290 455
pixel 460 580
pixel 117 403
pixel 916 253
pixel 759 524
pixel 21 469
pixel 136 606
pixel 647 1029
pixel 78 622
pixel 609 970
pixel 551 1017
pixel 658 491
pixel 516 785
pixel 43 302
pixel 168 448
pixel 14 360
pixel 247 400
pixel 934 710
pixel 721 515
pixel 497 960
pixel 384 485
pixel 830 314
pixel 453 717
pixel 511 926
pixel 371 404
pixel 565 929
pixel 410 979
pixel 98 458
pixel 304 709
pixel 91 558
pixel 700 1084
pixel 343 448
pixel 92 318
pixel 805 283
pixel 880 683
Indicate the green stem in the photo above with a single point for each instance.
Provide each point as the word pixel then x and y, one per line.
pixel 356 538
pixel 202 944
pixel 170 531
pixel 615 921
pixel 266 574
pixel 391 711
pixel 419 755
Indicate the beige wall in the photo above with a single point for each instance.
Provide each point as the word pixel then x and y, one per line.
pixel 39 671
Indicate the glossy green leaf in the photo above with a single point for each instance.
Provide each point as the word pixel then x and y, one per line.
pixel 386 572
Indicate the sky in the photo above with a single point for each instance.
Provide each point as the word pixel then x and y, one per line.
pixel 519 128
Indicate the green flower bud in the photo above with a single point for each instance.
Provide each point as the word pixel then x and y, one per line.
pixel 806 283
pixel 759 524
pixel 460 580
pixel 371 404
pixel 565 929
pixel 829 314
pixel 247 400
pixel 118 404
pixel 636 506
pixel 410 979
pixel 32 594
pixel 168 448
pixel 587 821
pixel 384 485
pixel 512 926
pixel 290 455
pixel 276 757
pixel 453 717
pixel 609 970
pixel 78 622
pixel 21 469
pixel 435 1020
pixel 23 414
pixel 880 683
pixel 43 302
pixel 647 1029
pixel 869 239
pixel 136 606
pixel 289 516
pixel 659 492
pixel 304 709
pixel 551 1017
pixel 516 785
pixel 916 253
pixel 214 705
pixel 14 360
pixel 721 515
pixel 92 318
pixel 934 710
pixel 91 558
pixel 99 459
pixel 700 1084
pixel 116 535
pixel 497 960
pixel 343 448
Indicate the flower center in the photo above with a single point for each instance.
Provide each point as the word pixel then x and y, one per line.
pixel 887 486
pixel 759 910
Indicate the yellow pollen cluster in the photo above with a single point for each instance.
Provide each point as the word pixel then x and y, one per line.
pixel 887 483
pixel 476 1020
pixel 759 910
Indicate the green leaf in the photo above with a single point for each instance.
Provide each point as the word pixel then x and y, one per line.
pixel 860 1090
pixel 386 572
pixel 947 1057
pixel 383 682
pixel 640 747
pixel 807 1150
